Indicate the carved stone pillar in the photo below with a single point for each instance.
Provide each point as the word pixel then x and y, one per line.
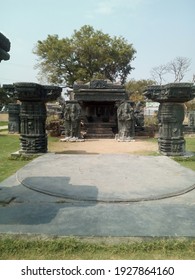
pixel 14 118
pixel 33 97
pixel 33 135
pixel 171 140
pixel 171 115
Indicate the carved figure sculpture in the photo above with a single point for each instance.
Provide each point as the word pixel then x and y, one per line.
pixel 72 114
pixel 191 119
pixel 125 115
pixel 139 115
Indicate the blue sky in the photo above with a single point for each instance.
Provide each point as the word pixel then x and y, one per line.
pixel 159 30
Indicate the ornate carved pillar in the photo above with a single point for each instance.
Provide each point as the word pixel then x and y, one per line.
pixel 171 115
pixel 33 115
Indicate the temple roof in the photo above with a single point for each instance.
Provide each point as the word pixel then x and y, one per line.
pixel 99 90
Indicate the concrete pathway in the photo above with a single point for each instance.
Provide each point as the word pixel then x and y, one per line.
pixel 99 195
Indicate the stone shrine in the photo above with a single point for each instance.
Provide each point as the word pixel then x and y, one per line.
pixel 99 101
pixel 171 115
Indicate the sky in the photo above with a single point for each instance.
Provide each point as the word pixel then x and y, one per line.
pixel 160 30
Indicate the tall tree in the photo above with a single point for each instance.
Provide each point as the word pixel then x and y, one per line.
pixel 87 54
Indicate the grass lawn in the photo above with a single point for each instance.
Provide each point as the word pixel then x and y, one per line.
pixel 188 162
pixel 9 144
pixel 2 123
pixel 15 248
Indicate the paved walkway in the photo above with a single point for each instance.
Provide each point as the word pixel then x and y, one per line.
pixel 99 195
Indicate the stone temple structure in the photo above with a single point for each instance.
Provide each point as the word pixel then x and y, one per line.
pixel 105 109
pixel 171 115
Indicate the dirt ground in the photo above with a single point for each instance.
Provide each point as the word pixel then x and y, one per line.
pixel 105 146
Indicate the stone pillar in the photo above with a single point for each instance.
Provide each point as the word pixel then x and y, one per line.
pixel 171 140
pixel 33 136
pixel 171 115
pixel 14 118
pixel 33 97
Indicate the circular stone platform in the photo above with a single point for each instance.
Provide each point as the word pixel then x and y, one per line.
pixel 107 177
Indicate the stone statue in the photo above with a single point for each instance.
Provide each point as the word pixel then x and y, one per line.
pixel 72 112
pixel 67 121
pixel 139 115
pixel 14 118
pixel 191 119
pixel 125 115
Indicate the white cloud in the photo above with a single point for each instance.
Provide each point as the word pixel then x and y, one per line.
pixel 108 7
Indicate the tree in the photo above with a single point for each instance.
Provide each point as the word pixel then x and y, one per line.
pixel 87 54
pixel 178 67
pixel 136 88
pixel 158 73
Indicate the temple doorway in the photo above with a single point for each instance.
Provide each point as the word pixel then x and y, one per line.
pixel 100 119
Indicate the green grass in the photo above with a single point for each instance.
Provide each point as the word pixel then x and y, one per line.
pixel 74 248
pixel 9 144
pixel 188 162
pixel 2 123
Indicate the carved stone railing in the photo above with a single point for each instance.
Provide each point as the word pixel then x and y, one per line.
pixel 171 115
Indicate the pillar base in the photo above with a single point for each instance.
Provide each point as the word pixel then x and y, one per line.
pixel 171 147
pixel 33 144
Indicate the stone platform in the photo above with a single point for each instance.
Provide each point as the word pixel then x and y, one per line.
pixel 107 178
pixel 114 195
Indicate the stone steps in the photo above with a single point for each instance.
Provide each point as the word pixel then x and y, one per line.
pixel 100 130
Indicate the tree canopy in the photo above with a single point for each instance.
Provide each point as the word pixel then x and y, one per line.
pixel 135 89
pixel 87 54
